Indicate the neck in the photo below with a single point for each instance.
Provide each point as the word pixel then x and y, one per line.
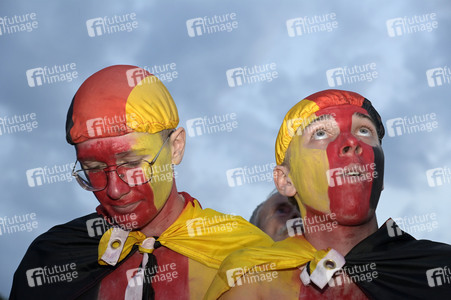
pixel 342 238
pixel 167 215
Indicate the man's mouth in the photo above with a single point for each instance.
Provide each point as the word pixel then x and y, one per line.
pixel 354 169
pixel 352 173
pixel 126 208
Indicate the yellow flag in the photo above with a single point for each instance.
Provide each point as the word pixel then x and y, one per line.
pixel 204 235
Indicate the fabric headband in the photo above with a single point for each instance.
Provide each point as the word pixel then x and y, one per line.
pixel 300 115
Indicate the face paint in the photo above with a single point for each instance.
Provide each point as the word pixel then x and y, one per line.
pixel 307 173
pixel 337 165
pixel 161 182
pixel 133 207
pixel 354 170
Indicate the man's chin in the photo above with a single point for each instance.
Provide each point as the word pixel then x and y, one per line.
pixel 352 218
pixel 125 210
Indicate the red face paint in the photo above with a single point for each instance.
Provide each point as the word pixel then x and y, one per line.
pixel 132 207
pixel 356 167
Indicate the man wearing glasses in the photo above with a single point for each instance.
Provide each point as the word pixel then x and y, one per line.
pixel 147 240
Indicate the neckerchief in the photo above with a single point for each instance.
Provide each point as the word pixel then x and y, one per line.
pixel 405 268
pixel 286 254
pixel 204 235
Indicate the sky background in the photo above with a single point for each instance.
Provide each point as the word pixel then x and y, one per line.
pixel 202 89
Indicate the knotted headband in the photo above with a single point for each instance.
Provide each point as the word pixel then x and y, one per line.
pixel 299 116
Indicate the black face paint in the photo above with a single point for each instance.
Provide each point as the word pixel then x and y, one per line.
pixel 378 181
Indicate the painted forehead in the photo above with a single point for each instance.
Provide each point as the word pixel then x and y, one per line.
pixel 135 143
pixel 347 111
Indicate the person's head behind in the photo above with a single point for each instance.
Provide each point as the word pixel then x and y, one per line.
pixel 122 123
pixel 330 158
pixel 271 216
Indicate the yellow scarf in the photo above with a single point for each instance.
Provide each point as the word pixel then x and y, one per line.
pixel 290 253
pixel 204 235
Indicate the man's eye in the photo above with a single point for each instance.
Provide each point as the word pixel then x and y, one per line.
pixel 133 164
pixel 365 131
pixel 283 210
pixel 319 134
pixel 94 170
pixel 90 167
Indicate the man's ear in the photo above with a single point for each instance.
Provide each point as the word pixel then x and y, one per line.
pixel 283 182
pixel 178 140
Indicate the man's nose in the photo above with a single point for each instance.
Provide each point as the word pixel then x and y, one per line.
pixel 349 145
pixel 116 187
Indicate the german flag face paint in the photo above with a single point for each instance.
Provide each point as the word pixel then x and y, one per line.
pixel 114 118
pixel 131 206
pixel 335 159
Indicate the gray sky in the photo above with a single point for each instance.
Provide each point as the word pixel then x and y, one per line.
pixel 359 36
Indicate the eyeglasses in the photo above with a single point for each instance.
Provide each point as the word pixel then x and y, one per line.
pixel 132 173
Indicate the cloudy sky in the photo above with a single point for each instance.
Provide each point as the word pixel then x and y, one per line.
pixel 401 51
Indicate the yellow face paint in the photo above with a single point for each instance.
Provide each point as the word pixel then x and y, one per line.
pixel 307 172
pixel 161 183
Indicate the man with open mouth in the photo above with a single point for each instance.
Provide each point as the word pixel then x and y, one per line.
pixel 331 163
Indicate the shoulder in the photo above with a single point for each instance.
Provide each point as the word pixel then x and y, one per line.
pixel 74 243
pixel 89 228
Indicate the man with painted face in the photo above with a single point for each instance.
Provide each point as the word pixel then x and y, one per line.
pixel 329 159
pixel 146 240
